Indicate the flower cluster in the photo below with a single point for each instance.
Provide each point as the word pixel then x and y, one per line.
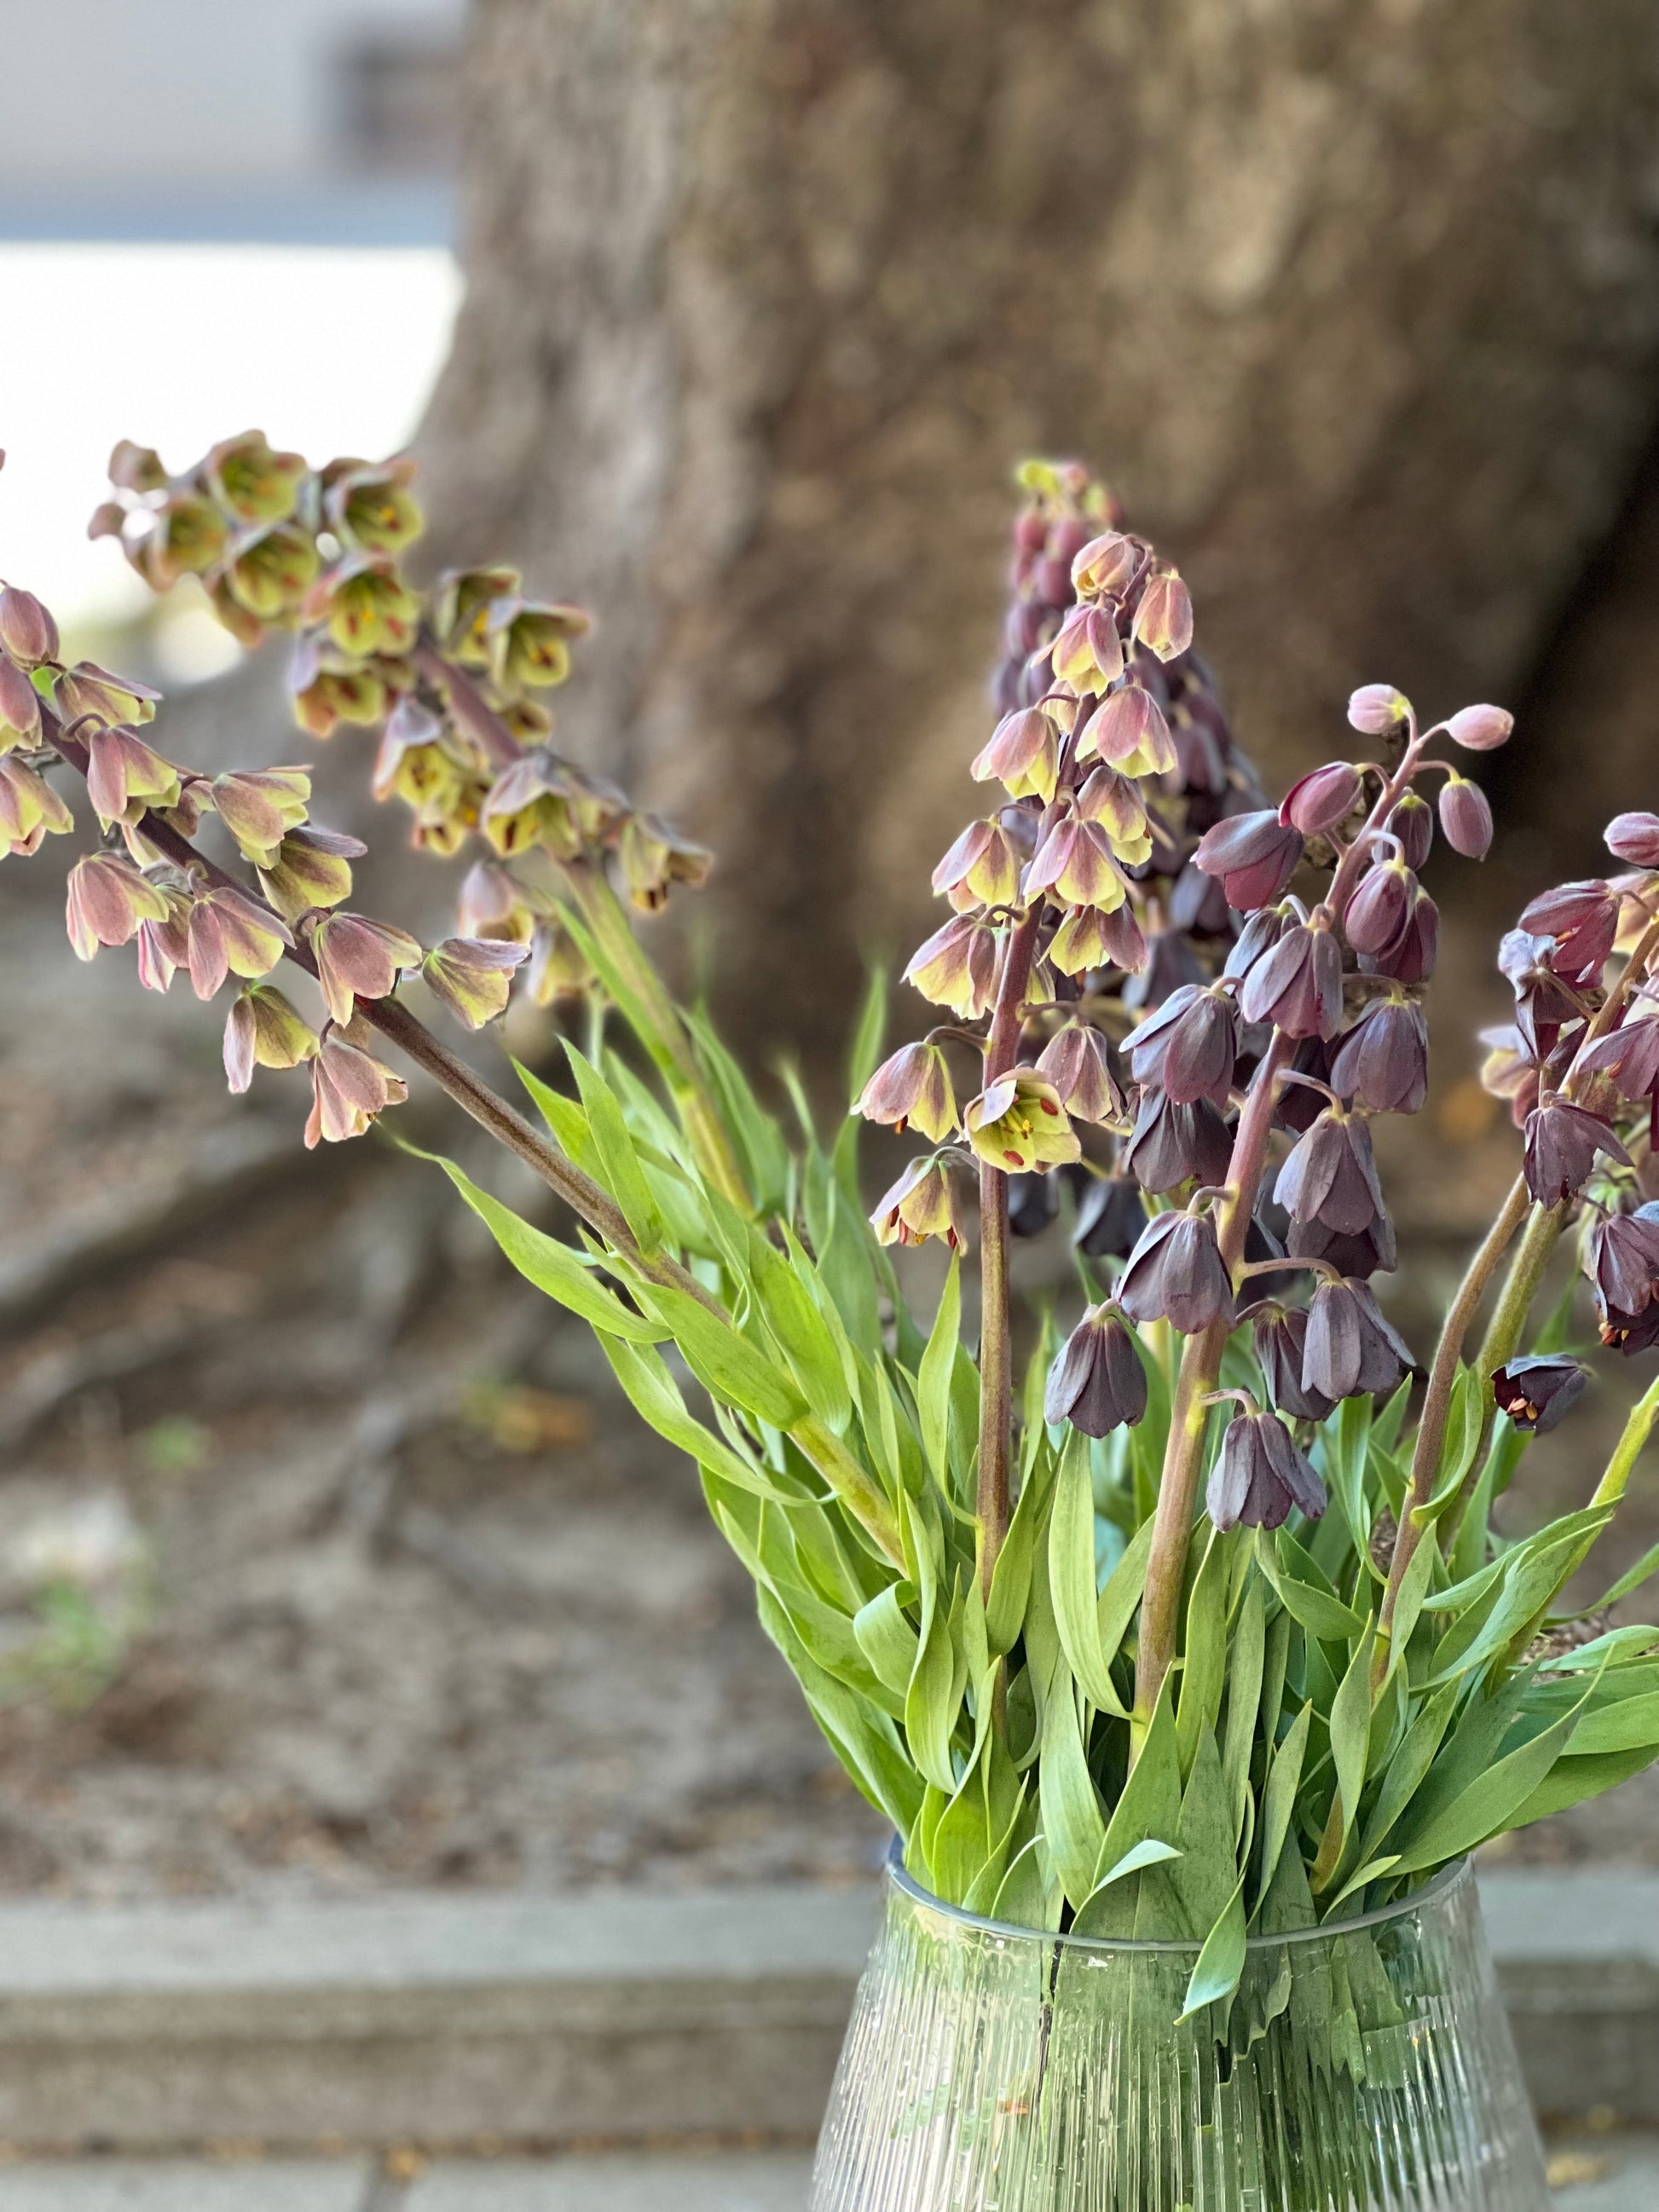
pixel 456 678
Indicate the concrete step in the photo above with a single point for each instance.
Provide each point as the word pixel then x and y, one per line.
pixel 614 2015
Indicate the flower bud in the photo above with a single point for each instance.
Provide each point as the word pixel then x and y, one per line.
pixel 1466 817
pixel 654 855
pixel 1411 819
pixel 1379 909
pixel 1375 708
pixel 1096 1381
pixel 357 958
pixel 20 709
pixel 912 1087
pixel 920 1205
pixel 1382 1063
pixel 1017 1123
pixel 263 1030
pixel 1481 729
pixel 1176 1274
pixel 981 869
pixel 1129 732
pixel 1021 756
pixel 1351 1350
pixel 350 1089
pixel 1537 1393
pixel 1259 1475
pixel 473 976
pixel 1164 620
pixel 28 635
pixel 1090 937
pixel 30 809
pixel 1563 1145
pixel 310 868
pixel 1255 855
pixel 957 967
pixel 1081 1062
pixel 107 900
pixel 1630 837
pixel 1321 800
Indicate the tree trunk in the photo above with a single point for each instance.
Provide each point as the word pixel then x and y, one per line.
pixel 1357 307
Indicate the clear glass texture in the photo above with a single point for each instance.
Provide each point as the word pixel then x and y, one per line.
pixel 1365 2066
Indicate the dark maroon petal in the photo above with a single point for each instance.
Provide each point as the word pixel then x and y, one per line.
pixel 1412 820
pixel 1332 1350
pixel 1382 1063
pixel 1380 909
pixel 1537 1393
pixel 1563 1143
pixel 1279 1335
pixel 1174 1143
pixel 1110 1216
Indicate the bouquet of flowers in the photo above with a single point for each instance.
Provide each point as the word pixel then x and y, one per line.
pixel 1201 1626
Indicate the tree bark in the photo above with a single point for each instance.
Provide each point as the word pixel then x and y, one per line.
pixel 1356 306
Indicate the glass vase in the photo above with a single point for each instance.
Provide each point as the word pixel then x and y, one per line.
pixel 1364 2066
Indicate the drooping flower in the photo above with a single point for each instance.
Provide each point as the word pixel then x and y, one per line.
pixel 1563 1144
pixel 350 1089
pixel 1466 817
pixel 357 958
pixel 1023 755
pixel 1091 937
pixel 1255 855
pixel 1176 1274
pixel 1088 652
pixel 1383 1062
pixel 1537 1393
pixel 981 869
pixel 1081 1062
pixel 654 855
pixel 1096 1381
pixel 1296 984
pixel 1621 1259
pixel 530 803
pixel 1033 1202
pixel 1582 918
pixel 30 809
pixel 1321 800
pixel 473 976
pixel 1174 1143
pixel 28 635
pixel 125 775
pixel 259 806
pixel 1017 1123
pixel 244 474
pixel 1110 799
pixel 372 507
pixel 912 1087
pixel 1188 1046
pixel 921 1204
pixel 227 935
pixel 261 1030
pixel 1128 730
pixel 1330 1175
pixel 20 709
pixel 1379 910
pixel 1410 957
pixel 1075 865
pixel 1164 619
pixel 1259 1474
pixel 1369 1252
pixel 1110 1216
pixel 311 867
pixel 1411 819
pixel 1279 1334
pixel 87 688
pixel 107 900
pixel 1350 1347
pixel 957 967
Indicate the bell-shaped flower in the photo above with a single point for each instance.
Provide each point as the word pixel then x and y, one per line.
pixel 1563 1143
pixel 1621 1259
pixel 87 688
pixel 921 1204
pixel 1582 918
pixel 473 976
pixel 1088 652
pixel 1096 1381
pixel 1175 1142
pixel 1321 800
pixel 1074 865
pixel 1466 817
pixel 107 899
pixel 1254 856
pixel 365 605
pixel 1107 564
pixel 911 1089
pixel 1260 1474
pixel 1110 1216
pixel 1379 910
pixel 1188 1046
pixel 164 946
pixel 1539 1392
pixel 1176 1273
pixel 559 968
pixel 125 776
pixel 31 810
pixel 1114 802
pixel 1350 1348
pixel 1033 1202
pixel 529 805
pixel 1279 1334
pixel 327 687
pixel 1411 819
pixel 957 967
pixel 1163 618
pixel 529 641
pixel 357 958
pixel 460 610
pixel 1330 1174
pixel 1023 755
pixel 261 1030
pixel 29 636
pixel 348 1088
pixel 1370 1252
pixel 271 569
pixel 372 507
pixel 247 474
pixel 1081 1062
pixel 227 935
pixel 1630 1055
pixel 1129 731
pixel 654 855
pixel 312 867
pixel 20 709
pixel 1383 1062
pixel 981 869
pixel 1410 957
pixel 1017 1123
pixel 1092 937
pixel 1296 984
pixel 259 806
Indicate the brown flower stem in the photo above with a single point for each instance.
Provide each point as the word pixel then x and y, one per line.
pixel 654 1014
pixel 1437 1404
pixel 860 1495
pixel 996 1385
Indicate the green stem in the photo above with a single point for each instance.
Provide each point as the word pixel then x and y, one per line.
pixel 1642 1414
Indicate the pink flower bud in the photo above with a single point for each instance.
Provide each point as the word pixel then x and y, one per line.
pixel 263 1030
pixel 1164 620
pixel 1635 838
pixel 1481 729
pixel 1322 800
pixel 20 708
pixel 27 632
pixel 1466 817
pixel 1375 707
pixel 1380 909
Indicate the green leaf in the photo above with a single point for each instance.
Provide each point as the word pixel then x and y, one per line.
pixel 1412 1760
pixel 1148 1853
pixel 567 1122
pixel 1071 1809
pixel 1488 1803
pixel 845 1267
pixel 1279 1797
pixel 934 1381
pixel 1465 1419
pixel 757 1134
pixel 887 1639
pixel 869 1034
pixel 1149 1806
pixel 1071 1576
pixel 1373 1871
pixel 619 1163
pixel 723 1359
pixel 1204 1664
pixel 1572 1779
pixel 1221 1962
pixel 1122 1593
pixel 1245 1663
pixel 654 1395
pixel 1024 1899
pixel 1632 1579
pixel 1385 1427
pixel 1350 1729
pixel 862 1739
pixel 552 1267
pixel 791 1314
pixel 1322 1614
pixel 1209 1864
pixel 1011 1578
pixel 1346 1438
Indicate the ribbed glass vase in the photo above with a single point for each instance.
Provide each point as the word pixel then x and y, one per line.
pixel 1363 2067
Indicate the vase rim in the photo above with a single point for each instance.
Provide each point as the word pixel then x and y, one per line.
pixel 1450 1879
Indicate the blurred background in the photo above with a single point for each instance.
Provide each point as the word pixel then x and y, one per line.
pixel 325 1559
